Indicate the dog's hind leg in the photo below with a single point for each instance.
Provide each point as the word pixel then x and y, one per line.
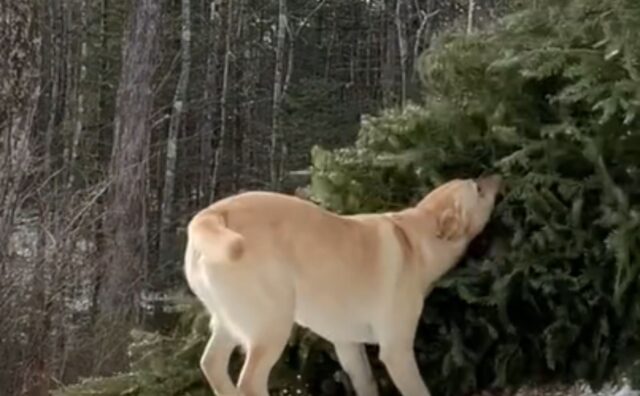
pixel 262 354
pixel 353 359
pixel 256 305
pixel 215 360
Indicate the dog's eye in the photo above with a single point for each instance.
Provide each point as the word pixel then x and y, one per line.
pixel 479 190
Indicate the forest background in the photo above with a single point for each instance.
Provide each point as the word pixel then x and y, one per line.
pixel 118 120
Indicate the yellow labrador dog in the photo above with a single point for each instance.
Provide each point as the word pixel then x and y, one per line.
pixel 261 261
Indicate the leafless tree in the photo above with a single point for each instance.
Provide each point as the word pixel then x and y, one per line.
pixel 207 158
pixel 19 94
pixel 124 268
pixel 278 84
pixel 224 95
pixel 80 95
pixel 401 10
pixel 179 104
pixel 471 9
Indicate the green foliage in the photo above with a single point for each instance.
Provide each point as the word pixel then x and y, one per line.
pixel 168 364
pixel 550 99
pixel 161 364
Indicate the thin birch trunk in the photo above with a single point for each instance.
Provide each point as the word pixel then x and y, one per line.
pixel 68 91
pixel 237 133
pixel 179 107
pixel 424 27
pixel 387 53
pixel 332 39
pixel 208 96
pixel 402 49
pixel 223 103
pixel 55 73
pixel 470 13
pixel 80 115
pixel 100 227
pixel 105 8
pixel 278 82
pixel 369 43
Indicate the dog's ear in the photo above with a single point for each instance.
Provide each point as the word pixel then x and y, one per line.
pixel 451 223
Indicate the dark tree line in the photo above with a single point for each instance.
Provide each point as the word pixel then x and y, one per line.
pixel 118 119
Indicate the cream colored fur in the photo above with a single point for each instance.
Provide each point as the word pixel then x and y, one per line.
pixel 261 261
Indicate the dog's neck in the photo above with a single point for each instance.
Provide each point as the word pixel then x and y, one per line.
pixel 434 255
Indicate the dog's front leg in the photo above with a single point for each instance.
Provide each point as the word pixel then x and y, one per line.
pixel 403 369
pixel 396 333
pixel 353 359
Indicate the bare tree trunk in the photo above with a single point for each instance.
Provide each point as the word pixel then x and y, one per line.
pixel 40 307
pixel 423 37
pixel 223 102
pixel 284 151
pixel 103 153
pixel 100 230
pixel 80 99
pixel 57 71
pixel 209 93
pixel 240 63
pixel 425 18
pixel 387 52
pixel 470 12
pixel 286 81
pixel 68 92
pixel 19 97
pixel 246 110
pixel 332 38
pixel 167 234
pixel 278 83
pixel 402 48
pixel 126 255
pixel 293 35
pixel 369 44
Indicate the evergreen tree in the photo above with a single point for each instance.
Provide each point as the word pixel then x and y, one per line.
pixel 549 98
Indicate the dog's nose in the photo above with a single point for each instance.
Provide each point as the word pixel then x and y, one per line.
pixel 490 183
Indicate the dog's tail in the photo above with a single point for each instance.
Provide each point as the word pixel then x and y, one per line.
pixel 208 234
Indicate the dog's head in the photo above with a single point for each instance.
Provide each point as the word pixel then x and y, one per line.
pixel 462 207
